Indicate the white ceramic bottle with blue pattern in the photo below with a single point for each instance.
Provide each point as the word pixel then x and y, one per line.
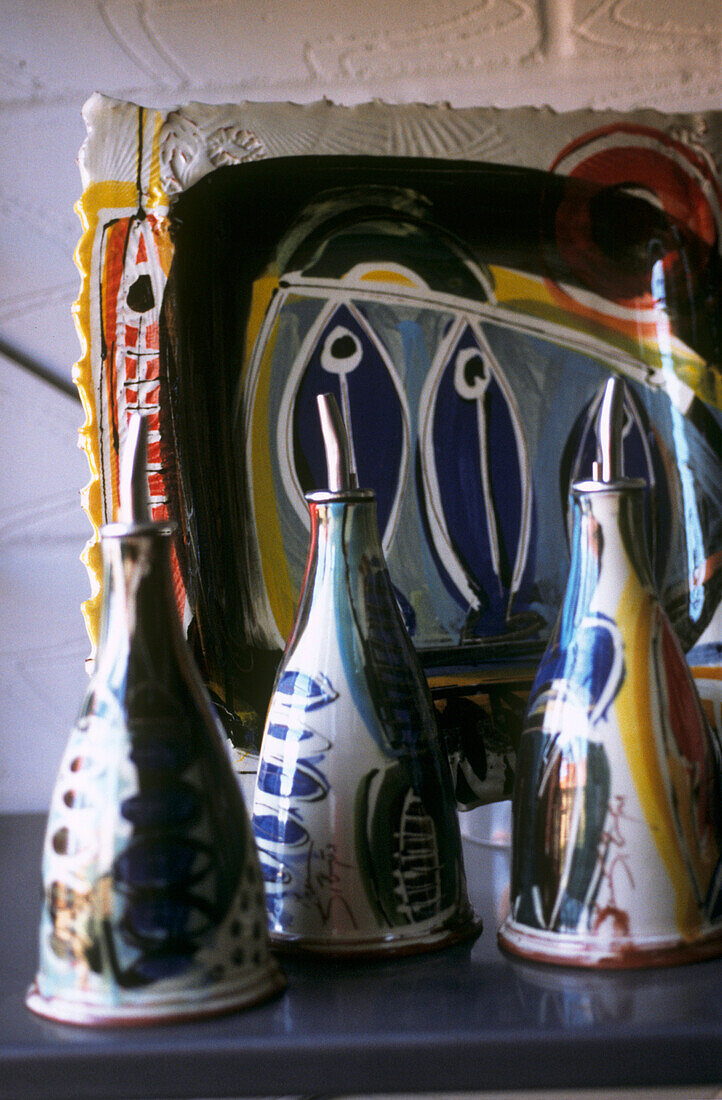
pixel 354 812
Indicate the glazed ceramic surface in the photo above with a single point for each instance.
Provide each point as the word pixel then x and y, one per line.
pixel 354 812
pixel 153 899
pixel 617 810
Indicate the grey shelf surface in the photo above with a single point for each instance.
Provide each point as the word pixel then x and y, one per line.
pixel 465 1018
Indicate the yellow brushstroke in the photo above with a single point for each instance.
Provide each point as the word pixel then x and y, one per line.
pixel 107 195
pixel 530 295
pixel 510 286
pixel 261 293
pixel 707 672
pixel 279 590
pixel 384 276
pixel 157 197
pixel 638 715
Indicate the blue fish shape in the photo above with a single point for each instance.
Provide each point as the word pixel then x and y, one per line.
pixel 274 829
pixel 590 662
pixel 349 360
pixel 312 742
pixel 476 480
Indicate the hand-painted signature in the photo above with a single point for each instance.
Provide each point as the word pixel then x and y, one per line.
pixel 323 886
pixel 614 855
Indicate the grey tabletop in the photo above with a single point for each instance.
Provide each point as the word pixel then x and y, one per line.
pixel 465 1018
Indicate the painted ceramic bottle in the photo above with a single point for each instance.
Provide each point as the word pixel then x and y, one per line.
pixel 153 898
pixel 353 812
pixel 617 807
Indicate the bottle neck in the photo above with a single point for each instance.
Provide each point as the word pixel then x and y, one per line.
pixel 609 546
pixel 348 527
pixel 344 547
pixel 139 620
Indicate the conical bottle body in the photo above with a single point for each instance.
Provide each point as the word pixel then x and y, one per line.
pixel 353 812
pixel 617 814
pixel 153 899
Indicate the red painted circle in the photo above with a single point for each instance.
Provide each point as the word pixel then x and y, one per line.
pixel 676 224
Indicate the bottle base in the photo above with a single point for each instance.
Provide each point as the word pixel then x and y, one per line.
pixel 392 944
pixel 620 953
pixel 267 984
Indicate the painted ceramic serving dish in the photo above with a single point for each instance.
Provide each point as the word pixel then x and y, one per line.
pixel 462 281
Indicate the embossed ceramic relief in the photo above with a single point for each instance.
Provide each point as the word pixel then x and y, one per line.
pixel 463 312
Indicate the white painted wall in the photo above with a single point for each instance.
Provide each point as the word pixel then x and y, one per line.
pixel 54 53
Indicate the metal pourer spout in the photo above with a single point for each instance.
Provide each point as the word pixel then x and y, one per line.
pixel 134 501
pixel 335 441
pixel 610 426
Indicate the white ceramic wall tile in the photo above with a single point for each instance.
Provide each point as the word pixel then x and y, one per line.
pixel 39 185
pixel 644 27
pixel 43 643
pixel 49 49
pixel 503 51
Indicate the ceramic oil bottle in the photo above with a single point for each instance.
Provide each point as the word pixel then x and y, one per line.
pixel 153 898
pixel 354 812
pixel 617 807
